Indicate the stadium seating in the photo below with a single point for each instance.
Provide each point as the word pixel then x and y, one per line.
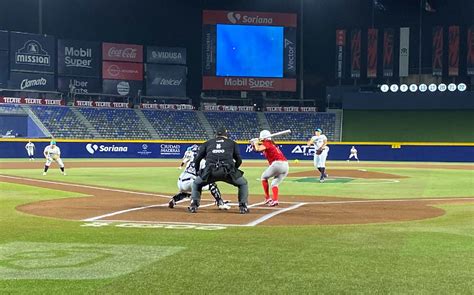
pixel 241 125
pixel 302 125
pixel 61 122
pixel 176 125
pixel 116 123
pixel 11 109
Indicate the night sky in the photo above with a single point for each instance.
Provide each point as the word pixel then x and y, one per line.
pixel 178 23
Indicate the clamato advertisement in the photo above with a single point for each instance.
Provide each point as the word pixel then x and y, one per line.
pixel 31 81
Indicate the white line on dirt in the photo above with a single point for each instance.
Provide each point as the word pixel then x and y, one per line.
pixel 172 222
pixel 268 216
pixel 86 186
pixel 380 201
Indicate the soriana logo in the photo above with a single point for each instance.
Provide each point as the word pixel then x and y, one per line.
pixel 122 52
pixel 122 71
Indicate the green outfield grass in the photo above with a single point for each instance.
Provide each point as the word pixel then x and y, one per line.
pixel 432 256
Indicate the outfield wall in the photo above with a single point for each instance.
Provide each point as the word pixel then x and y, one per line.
pixel 154 149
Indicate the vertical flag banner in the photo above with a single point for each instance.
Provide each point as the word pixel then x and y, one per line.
pixel 404 51
pixel 437 60
pixel 372 53
pixel 355 53
pixel 470 51
pixel 453 58
pixel 388 47
pixel 340 44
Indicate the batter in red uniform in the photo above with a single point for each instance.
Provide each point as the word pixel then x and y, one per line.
pixel 278 168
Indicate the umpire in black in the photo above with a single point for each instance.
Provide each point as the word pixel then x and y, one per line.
pixel 222 162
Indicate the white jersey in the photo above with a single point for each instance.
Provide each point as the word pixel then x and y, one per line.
pixel 353 151
pixel 318 141
pixel 51 151
pixel 30 146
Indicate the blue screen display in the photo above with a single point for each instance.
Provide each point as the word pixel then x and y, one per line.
pixel 249 51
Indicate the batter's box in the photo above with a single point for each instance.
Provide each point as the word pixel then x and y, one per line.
pixel 61 261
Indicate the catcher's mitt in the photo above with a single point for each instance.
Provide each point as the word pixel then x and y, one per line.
pixel 319 151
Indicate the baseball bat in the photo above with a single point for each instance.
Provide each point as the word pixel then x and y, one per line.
pixel 273 135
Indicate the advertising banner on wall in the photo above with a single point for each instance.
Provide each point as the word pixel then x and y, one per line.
pixel 340 48
pixel 31 81
pixel 166 55
pixel 372 38
pixel 437 55
pixel 470 51
pixel 101 104
pixel 4 44
pixel 26 100
pixel 4 58
pixel 355 53
pixel 78 58
pixel 166 80
pixel 122 52
pixel 122 87
pixel 249 84
pixel 79 85
pixel 32 53
pixel 289 54
pixel 388 49
pixel 404 52
pixel 122 70
pixel 453 57
pixel 167 106
pixel 208 50
pixel 212 17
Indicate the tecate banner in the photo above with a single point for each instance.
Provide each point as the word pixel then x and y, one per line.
pixel 78 58
pixel 4 45
pixel 31 81
pixel 244 83
pixel 122 71
pixel 3 69
pixel 27 100
pixel 122 87
pixel 122 52
pixel 289 55
pixel 32 53
pixel 79 85
pixel 166 55
pixel 166 80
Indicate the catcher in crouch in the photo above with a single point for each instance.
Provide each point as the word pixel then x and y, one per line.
pixel 320 142
pixel 187 177
pixel 53 153
pixel 278 168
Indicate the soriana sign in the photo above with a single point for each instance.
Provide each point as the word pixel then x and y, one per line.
pixel 244 83
pixel 212 17
pixel 122 52
pixel 122 71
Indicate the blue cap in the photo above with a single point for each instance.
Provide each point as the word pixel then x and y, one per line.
pixel 53 142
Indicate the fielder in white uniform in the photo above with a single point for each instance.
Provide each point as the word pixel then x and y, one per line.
pixel 30 149
pixel 53 153
pixel 353 154
pixel 320 142
pixel 187 177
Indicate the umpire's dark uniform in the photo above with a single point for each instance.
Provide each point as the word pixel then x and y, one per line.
pixel 220 154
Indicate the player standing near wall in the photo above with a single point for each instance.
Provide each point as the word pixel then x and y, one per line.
pixel 278 168
pixel 53 153
pixel 320 142
pixel 353 154
pixel 30 149
pixel 222 162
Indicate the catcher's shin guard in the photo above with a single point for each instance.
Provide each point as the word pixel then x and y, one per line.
pixel 215 192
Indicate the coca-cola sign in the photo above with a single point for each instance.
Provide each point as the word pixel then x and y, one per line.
pixel 101 104
pixel 122 71
pixel 243 83
pixel 26 100
pixel 122 52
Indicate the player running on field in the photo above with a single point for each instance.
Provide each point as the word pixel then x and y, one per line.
pixel 30 149
pixel 353 154
pixel 53 153
pixel 187 177
pixel 278 168
pixel 320 142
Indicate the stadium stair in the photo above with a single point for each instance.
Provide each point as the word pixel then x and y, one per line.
pixel 205 123
pixel 263 122
pixel 147 124
pixel 86 123
pixel 37 121
pixel 338 124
